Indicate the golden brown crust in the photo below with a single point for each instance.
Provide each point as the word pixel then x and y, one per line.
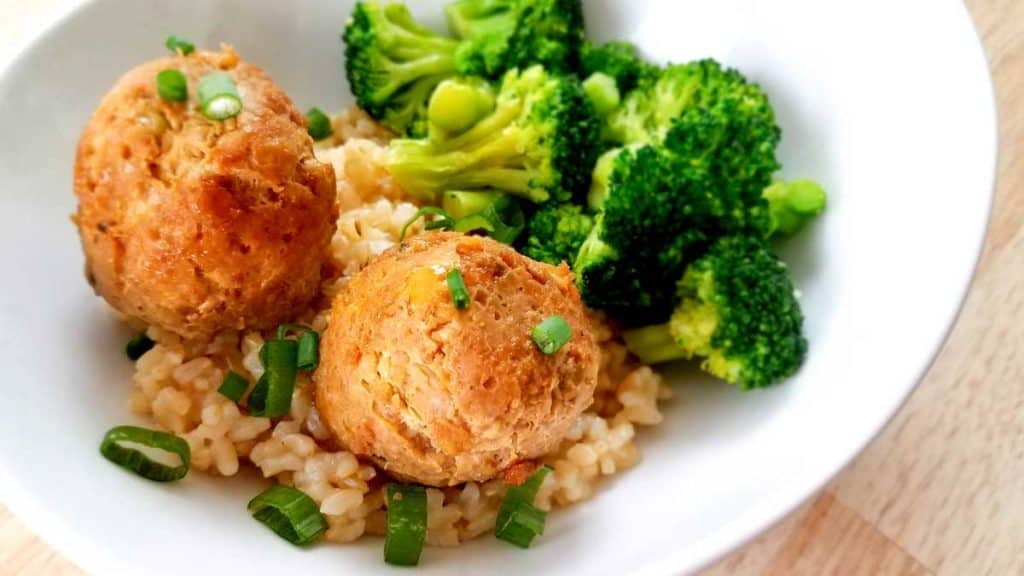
pixel 443 396
pixel 196 225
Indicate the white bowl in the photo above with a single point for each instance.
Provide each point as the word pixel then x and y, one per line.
pixel 887 103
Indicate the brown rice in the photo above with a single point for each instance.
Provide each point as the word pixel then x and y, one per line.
pixel 175 384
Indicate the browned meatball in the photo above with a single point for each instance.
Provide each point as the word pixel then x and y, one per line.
pixel 441 396
pixel 198 225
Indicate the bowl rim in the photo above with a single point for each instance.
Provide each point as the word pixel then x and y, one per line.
pixel 77 547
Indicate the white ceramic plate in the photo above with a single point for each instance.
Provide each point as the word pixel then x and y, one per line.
pixel 887 103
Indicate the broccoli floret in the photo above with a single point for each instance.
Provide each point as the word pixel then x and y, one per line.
pixel 619 60
pixel 648 112
pixel 556 232
pixel 393 63
pixel 539 143
pixel 791 205
pixel 651 220
pixel 661 205
pixel 738 311
pixel 499 35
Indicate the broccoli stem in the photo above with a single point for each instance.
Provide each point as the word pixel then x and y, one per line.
pixel 654 344
pixel 455 106
pixel 602 92
pixel 460 204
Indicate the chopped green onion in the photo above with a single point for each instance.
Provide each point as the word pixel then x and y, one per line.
pixel 523 523
pixel 457 288
pixel 272 395
pixel 519 521
pixel 234 386
pixel 308 356
pixel 138 346
pixel 551 334
pixel 218 96
pixel 407 524
pixel 179 45
pixel 171 85
pixel 136 461
pixel 318 124
pixel 444 222
pixel 290 513
pixel 309 351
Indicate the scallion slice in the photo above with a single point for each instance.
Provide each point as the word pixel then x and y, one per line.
pixel 443 222
pixel 308 357
pixel 457 288
pixel 272 395
pixel 171 85
pixel 519 521
pixel 179 45
pixel 290 513
pixel 136 461
pixel 138 346
pixel 407 524
pixel 233 386
pixel 218 96
pixel 551 334
pixel 523 523
pixel 318 124
pixel 309 351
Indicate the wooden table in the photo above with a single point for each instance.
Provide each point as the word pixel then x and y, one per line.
pixel 942 489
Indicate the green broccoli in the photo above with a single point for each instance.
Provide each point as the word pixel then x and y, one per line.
pixel 647 113
pixel 393 62
pixel 555 233
pixel 499 35
pixel 738 311
pixel 791 205
pixel 619 60
pixel 539 143
pixel 661 205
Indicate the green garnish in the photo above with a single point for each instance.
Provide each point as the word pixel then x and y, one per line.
pixel 290 513
pixel 134 460
pixel 234 386
pixel 319 124
pixel 308 356
pixel 444 222
pixel 551 334
pixel 179 45
pixel 519 521
pixel 309 351
pixel 272 395
pixel 171 85
pixel 138 346
pixel 407 524
pixel 457 288
pixel 218 96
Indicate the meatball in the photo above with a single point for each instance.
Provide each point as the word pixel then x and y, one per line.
pixel 441 396
pixel 196 225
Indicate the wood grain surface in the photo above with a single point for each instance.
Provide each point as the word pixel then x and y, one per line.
pixel 941 491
